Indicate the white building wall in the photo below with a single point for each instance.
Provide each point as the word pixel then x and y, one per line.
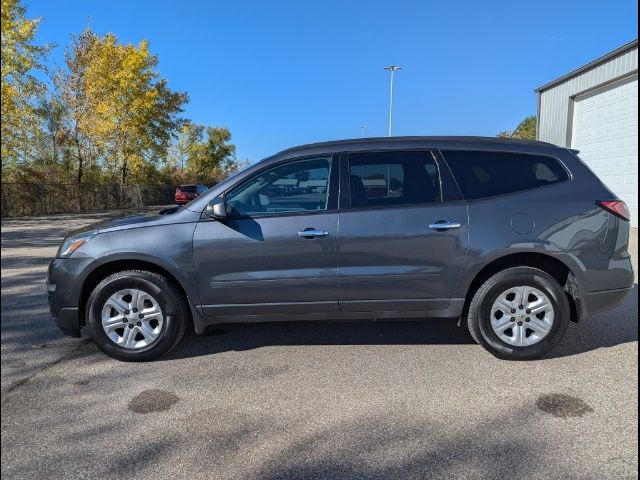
pixel 605 130
pixel 556 102
pixel 596 112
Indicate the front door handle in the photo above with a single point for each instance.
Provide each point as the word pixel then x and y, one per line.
pixel 444 225
pixel 312 233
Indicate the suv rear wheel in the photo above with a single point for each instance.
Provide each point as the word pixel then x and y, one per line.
pixel 520 313
pixel 136 315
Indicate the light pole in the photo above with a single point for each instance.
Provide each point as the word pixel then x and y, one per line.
pixel 392 69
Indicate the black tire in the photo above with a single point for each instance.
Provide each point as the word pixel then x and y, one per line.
pixel 479 315
pixel 167 294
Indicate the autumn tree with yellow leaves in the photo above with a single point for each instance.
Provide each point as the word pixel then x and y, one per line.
pixel 132 113
pixel 19 87
pixel 107 116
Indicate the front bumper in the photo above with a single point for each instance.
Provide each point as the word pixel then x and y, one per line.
pixel 65 277
pixel 68 321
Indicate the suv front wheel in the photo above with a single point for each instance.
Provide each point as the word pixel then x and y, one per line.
pixel 135 315
pixel 519 313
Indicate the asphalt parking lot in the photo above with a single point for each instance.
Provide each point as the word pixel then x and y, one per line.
pixel 366 400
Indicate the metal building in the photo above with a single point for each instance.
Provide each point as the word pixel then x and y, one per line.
pixel 594 109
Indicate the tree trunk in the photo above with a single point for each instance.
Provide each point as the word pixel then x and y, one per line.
pixel 55 147
pixel 79 153
pixel 80 160
pixel 124 172
pixel 124 152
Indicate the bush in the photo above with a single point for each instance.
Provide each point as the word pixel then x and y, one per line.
pixel 24 199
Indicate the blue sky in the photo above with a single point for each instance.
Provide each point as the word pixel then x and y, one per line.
pixel 280 74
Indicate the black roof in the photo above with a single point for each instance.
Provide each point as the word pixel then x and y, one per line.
pixel 377 142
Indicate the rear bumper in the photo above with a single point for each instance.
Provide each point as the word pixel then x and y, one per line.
pixel 596 302
pixel 183 200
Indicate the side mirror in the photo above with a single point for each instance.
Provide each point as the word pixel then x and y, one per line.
pixel 217 208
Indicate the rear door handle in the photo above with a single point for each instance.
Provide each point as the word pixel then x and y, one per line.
pixel 312 233
pixel 444 225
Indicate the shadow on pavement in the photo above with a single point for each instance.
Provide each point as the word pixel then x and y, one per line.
pixel 387 445
pixel 237 337
pixel 604 330
pixel 388 441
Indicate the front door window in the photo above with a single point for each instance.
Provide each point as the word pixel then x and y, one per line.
pixel 297 187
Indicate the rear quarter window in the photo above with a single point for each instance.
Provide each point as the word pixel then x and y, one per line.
pixel 483 174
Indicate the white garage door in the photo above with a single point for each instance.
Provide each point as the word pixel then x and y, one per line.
pixel 605 130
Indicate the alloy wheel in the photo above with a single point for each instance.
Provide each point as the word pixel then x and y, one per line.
pixel 522 316
pixel 132 318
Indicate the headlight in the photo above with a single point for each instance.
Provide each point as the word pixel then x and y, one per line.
pixel 71 244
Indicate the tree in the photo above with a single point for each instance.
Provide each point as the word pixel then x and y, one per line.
pixel 52 113
pixel 203 155
pixel 526 129
pixel 214 158
pixel 189 140
pixel 108 115
pixel 71 83
pixel 19 87
pixel 125 108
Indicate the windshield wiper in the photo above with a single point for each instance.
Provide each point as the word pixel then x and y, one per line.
pixel 170 210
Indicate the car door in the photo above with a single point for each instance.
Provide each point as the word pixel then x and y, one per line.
pixel 403 234
pixel 276 253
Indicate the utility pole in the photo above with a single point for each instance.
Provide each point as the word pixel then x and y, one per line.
pixel 392 69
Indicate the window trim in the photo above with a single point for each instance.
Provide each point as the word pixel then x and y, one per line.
pixel 562 165
pixel 345 184
pixel 332 194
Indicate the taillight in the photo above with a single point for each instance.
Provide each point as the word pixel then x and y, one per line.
pixel 617 207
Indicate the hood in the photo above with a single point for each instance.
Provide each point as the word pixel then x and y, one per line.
pixel 162 217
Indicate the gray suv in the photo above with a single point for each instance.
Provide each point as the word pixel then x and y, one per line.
pixel 513 238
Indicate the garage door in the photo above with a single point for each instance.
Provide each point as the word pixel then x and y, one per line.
pixel 605 130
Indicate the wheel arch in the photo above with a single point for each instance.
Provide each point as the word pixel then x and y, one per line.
pixel 555 267
pixel 102 271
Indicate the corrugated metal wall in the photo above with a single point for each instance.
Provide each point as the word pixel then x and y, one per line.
pixel 555 103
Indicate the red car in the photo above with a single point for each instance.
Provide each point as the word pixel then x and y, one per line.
pixel 186 193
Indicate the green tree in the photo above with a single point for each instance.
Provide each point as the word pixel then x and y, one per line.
pixel 20 89
pixel 186 146
pixel 51 154
pixel 214 158
pixel 202 154
pixel 526 129
pixel 52 114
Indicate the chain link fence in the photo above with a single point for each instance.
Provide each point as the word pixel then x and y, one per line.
pixel 26 199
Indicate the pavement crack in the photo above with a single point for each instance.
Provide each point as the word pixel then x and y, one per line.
pixel 23 381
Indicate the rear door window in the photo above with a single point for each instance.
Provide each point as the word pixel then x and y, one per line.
pixel 483 174
pixel 378 179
